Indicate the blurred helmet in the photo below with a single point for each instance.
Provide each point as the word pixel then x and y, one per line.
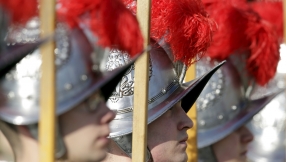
pixel 225 104
pixel 79 73
pixel 268 126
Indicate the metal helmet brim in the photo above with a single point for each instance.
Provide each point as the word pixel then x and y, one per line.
pixel 15 53
pixel 210 136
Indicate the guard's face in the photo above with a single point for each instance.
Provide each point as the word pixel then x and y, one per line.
pixel 233 148
pixel 167 136
pixel 85 130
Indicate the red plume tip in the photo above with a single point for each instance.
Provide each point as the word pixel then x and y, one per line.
pixel 193 38
pixel 271 12
pixel 264 47
pixel 183 24
pixel 20 10
pixel 242 29
pixel 109 20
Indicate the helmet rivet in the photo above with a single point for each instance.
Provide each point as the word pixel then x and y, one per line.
pixel 174 80
pixel 204 106
pixel 202 122
pixel 56 51
pixel 68 86
pixel 11 95
pixel 220 117
pixel 233 107
pixel 212 97
pixel 84 77
pixel 217 91
pixel 206 102
pixel 164 90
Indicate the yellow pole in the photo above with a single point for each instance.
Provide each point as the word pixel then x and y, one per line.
pixel 192 150
pixel 139 142
pixel 47 94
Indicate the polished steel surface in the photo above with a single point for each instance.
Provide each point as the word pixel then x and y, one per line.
pixel 162 75
pixel 77 74
pixel 222 97
pixel 268 128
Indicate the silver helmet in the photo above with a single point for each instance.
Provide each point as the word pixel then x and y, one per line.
pixel 79 73
pixel 165 90
pixel 268 126
pixel 225 104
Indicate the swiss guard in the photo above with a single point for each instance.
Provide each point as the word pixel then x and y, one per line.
pixel 180 33
pixel 251 47
pixel 268 126
pixel 83 82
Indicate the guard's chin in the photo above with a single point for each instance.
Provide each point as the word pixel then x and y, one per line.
pixel 99 155
pixel 183 158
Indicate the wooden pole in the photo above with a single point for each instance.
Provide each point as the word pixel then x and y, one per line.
pixel 139 137
pixel 192 150
pixel 47 94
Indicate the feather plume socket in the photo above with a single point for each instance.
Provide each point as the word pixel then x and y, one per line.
pixel 20 10
pixel 109 20
pixel 241 29
pixel 183 24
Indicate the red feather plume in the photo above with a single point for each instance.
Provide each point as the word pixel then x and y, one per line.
pixel 264 47
pixel 271 12
pixel 20 10
pixel 242 29
pixel 108 19
pixel 184 24
pixel 230 34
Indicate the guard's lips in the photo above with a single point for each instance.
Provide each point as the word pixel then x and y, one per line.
pixel 184 140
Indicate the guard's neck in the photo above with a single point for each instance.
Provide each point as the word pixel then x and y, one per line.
pixel 29 150
pixel 115 154
pixel 115 158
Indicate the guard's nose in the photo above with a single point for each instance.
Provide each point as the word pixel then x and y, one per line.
pixel 246 135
